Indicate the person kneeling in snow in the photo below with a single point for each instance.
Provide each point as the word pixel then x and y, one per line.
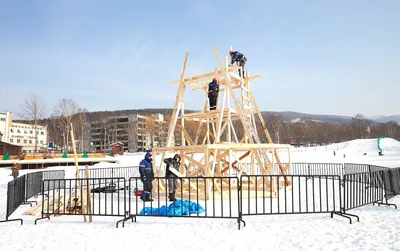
pixel 174 162
pixel 146 176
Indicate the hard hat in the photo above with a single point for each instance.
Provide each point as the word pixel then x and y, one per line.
pixel 231 52
pixel 214 79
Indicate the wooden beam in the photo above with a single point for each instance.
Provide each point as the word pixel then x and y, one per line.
pixel 178 101
pixel 234 146
pixel 198 133
pixel 186 135
pixel 88 193
pixel 77 168
pixel 206 76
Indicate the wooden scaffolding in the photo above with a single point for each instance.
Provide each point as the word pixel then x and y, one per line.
pixel 221 151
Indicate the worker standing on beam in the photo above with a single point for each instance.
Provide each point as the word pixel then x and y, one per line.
pixel 213 90
pixel 240 59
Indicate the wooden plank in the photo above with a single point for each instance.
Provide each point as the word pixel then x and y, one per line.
pixel 76 166
pixel 174 171
pixel 90 211
pixel 206 76
pixel 177 106
pixel 241 146
pixel 192 160
pixel 186 135
pixel 234 132
pixel 198 133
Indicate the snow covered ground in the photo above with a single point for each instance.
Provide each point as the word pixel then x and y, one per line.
pixel 377 229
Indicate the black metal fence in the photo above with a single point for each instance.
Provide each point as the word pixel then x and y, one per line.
pixel 34 182
pixel 200 197
pixel 105 174
pixel 268 194
pixel 84 197
pixel 391 179
pixel 15 197
pixel 333 169
pixel 307 188
pixel 327 168
pixel 361 189
pixel 350 168
pixel 20 190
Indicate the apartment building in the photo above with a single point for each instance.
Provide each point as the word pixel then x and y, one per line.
pixel 136 132
pixel 5 124
pixel 22 134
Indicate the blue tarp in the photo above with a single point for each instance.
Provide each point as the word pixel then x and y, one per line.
pixel 177 208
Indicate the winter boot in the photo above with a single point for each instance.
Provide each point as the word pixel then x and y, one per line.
pixel 172 197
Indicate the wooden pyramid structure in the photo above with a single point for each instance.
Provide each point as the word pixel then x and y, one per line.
pixel 217 150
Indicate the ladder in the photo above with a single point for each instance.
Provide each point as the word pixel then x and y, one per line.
pixel 245 114
pixel 249 118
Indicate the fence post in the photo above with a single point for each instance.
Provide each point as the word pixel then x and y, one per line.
pixel 239 188
pixel 9 197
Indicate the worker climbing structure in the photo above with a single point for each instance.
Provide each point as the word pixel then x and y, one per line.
pixel 226 142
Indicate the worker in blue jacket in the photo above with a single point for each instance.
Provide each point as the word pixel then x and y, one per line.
pixel 146 176
pixel 240 59
pixel 213 89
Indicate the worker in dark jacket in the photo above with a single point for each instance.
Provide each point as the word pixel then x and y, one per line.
pixel 240 59
pixel 146 176
pixel 175 163
pixel 15 171
pixel 213 89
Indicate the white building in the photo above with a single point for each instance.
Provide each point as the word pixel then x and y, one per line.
pixel 22 134
pixel 5 124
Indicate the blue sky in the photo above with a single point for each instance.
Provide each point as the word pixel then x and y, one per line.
pixel 322 57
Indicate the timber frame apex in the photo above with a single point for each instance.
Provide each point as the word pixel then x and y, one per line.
pixel 224 141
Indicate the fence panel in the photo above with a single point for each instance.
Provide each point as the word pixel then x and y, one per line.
pixel 294 168
pixel 56 174
pixel 15 197
pixel 15 194
pixel 361 189
pixel 75 197
pixel 201 197
pixel 265 194
pixel 33 184
pixel 350 168
pixel 391 182
pixel 107 173
pixel 326 169
pixel 34 181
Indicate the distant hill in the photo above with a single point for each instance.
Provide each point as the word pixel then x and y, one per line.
pixel 295 116
pixel 285 115
pixel 288 116
pixel 386 118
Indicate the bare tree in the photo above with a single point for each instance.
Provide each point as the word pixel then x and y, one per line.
pixel 105 127
pixel 308 128
pixel 54 132
pixel 132 135
pixel 360 124
pixel 151 129
pixel 34 111
pixel 80 122
pixel 276 124
pixel 390 128
pixel 65 110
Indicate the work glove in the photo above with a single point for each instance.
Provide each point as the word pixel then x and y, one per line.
pixel 142 178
